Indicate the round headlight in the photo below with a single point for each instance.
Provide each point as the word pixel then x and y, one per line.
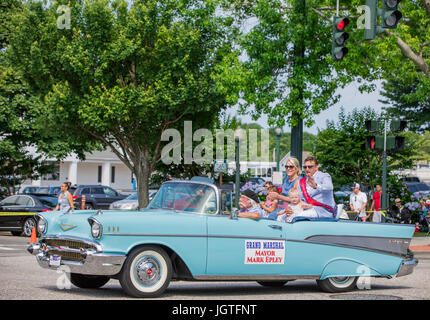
pixel 41 225
pixel 96 229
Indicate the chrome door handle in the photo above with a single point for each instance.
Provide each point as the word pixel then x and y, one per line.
pixel 274 226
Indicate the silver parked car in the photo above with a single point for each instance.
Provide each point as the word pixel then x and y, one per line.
pixel 131 202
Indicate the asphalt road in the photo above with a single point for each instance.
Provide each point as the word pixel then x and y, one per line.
pixel 22 278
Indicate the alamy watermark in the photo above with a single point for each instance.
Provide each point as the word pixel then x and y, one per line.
pixel 63 280
pixel 221 144
pixel 64 20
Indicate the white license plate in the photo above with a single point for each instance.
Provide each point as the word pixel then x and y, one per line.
pixel 54 261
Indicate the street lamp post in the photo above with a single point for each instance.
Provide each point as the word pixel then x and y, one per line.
pixel 237 137
pixel 278 132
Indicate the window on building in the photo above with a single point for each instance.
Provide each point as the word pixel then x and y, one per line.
pixel 112 174
pixel 99 174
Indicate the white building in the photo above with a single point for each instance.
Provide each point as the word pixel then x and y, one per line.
pixel 100 167
pixel 105 168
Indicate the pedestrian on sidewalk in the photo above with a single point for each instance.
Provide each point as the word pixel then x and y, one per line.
pixel 358 202
pixel 376 204
pixel 402 214
pixel 65 199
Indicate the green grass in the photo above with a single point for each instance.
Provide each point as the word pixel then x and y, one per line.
pixel 421 234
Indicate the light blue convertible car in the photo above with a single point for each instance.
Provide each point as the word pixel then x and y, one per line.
pixel 190 232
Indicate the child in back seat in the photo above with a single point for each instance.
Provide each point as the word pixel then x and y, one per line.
pixel 298 208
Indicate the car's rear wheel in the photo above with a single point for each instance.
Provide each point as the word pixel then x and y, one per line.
pixel 27 226
pixel 146 272
pixel 337 284
pixel 273 284
pixel 88 281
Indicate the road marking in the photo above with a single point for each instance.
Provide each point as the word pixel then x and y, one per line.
pixel 7 249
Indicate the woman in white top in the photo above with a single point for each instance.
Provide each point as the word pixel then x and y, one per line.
pixel 65 199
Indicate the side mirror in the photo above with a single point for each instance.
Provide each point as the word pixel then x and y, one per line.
pixel 234 213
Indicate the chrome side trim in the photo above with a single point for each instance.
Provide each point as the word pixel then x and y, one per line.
pixel 192 236
pixel 386 245
pixel 254 277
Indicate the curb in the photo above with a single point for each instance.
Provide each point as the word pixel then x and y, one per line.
pixel 422 252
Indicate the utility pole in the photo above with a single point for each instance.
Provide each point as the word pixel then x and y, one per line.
pixel 384 170
pixel 299 53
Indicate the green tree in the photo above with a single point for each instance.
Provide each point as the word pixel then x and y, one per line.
pixel 123 73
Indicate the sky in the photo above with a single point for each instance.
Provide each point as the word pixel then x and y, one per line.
pixel 350 98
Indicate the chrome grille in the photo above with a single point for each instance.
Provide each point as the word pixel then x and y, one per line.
pixel 72 256
pixel 69 243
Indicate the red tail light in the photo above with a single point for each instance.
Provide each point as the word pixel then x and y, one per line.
pixel 46 210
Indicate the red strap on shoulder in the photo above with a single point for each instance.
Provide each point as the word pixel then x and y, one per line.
pixel 310 200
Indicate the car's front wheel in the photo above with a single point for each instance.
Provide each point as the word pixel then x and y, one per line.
pixel 337 284
pixel 27 226
pixel 88 281
pixel 146 272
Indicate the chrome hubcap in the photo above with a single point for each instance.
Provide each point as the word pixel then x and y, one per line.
pixel 147 271
pixel 28 227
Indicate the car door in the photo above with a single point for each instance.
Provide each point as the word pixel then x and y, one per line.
pixel 7 210
pixel 25 207
pixel 99 198
pixel 245 247
pixel 111 195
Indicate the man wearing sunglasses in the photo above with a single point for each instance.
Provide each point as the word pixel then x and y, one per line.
pixel 317 189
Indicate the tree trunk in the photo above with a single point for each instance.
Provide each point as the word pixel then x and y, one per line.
pixel 142 172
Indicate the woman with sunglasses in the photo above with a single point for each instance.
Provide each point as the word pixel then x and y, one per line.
pixel 65 199
pixel 292 168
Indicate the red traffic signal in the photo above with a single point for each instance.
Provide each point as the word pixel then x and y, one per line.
pixel 342 24
pixel 370 143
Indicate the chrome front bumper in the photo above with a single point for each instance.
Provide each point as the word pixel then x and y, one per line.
pixel 407 267
pixel 91 262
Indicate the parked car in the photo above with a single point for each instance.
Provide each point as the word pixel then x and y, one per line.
pixel 188 232
pixel 52 190
pixel 17 212
pixel 28 190
pixel 131 202
pixel 96 196
pixel 417 187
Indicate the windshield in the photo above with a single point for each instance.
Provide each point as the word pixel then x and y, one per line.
pixel 184 196
pixel 132 197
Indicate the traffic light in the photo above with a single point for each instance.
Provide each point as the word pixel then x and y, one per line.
pixel 370 143
pixel 339 38
pixel 398 125
pixel 399 143
pixel 374 143
pixel 392 142
pixel 372 125
pixel 390 14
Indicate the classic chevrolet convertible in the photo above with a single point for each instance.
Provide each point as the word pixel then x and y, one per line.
pixel 190 231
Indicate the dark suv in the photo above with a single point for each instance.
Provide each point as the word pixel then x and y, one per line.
pixel 96 196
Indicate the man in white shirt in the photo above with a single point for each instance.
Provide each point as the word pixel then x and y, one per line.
pixel 358 202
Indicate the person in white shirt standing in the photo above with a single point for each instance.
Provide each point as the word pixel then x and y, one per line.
pixel 358 202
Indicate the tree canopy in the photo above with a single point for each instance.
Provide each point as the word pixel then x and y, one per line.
pixel 123 73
